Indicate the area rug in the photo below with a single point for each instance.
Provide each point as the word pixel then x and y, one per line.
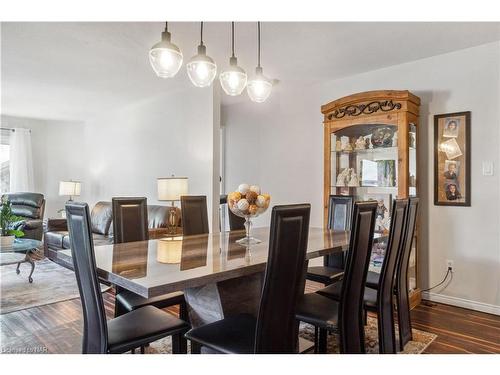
pixel 51 283
pixel 421 340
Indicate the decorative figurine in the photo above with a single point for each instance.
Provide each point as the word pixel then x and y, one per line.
pixel 360 143
pixel 342 177
pixel 348 147
pixel 338 145
pixel 353 180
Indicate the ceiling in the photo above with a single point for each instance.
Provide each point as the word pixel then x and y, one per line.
pixel 71 71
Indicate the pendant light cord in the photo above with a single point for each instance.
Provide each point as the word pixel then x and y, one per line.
pixel 201 33
pixel 166 26
pixel 258 53
pixel 232 38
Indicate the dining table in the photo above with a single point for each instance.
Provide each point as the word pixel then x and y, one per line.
pixel 218 276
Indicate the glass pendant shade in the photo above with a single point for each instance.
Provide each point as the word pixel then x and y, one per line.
pixel 165 57
pixel 259 88
pixel 234 79
pixel 201 68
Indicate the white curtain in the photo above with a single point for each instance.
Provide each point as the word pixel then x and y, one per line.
pixel 21 161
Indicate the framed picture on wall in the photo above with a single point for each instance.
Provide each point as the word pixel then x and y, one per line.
pixel 452 159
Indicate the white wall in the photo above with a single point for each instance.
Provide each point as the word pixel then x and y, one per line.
pixel 123 152
pixel 126 150
pixel 57 155
pixel 279 145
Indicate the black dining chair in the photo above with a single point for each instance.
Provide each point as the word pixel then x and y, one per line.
pixel 235 222
pixel 130 224
pixel 401 285
pixel 134 329
pixel 345 316
pixel 339 218
pixel 380 300
pixel 194 214
pixel 274 330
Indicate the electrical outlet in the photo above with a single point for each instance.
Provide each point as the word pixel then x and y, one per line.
pixel 449 264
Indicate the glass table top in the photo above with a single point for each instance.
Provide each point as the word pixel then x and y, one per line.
pixel 22 245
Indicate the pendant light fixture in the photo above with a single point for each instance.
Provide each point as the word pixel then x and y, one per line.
pixel 201 68
pixel 259 87
pixel 165 57
pixel 234 79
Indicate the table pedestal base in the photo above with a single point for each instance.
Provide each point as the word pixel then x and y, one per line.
pixel 214 301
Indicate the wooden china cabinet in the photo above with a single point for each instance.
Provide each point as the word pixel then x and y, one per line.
pixel 370 147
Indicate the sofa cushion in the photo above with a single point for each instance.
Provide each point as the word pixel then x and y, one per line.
pixel 54 239
pixel 28 205
pixel 101 217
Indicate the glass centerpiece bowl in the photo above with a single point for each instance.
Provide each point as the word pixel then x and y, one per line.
pixel 248 202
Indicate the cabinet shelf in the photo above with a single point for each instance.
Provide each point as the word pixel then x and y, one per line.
pixel 378 150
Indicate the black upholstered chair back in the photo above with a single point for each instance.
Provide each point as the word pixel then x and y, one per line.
pixel 235 222
pixel 351 324
pixel 28 205
pixel 95 335
pixel 284 280
pixel 402 272
pixel 339 218
pixel 194 214
pixel 130 219
pixel 395 243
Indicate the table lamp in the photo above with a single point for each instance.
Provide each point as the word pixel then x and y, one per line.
pixel 70 188
pixel 171 189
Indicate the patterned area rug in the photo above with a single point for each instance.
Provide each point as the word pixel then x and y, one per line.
pixel 51 283
pixel 421 340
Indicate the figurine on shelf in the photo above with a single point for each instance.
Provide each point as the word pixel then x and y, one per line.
pixel 338 145
pixel 413 181
pixel 348 147
pixel 342 177
pixel 360 143
pixel 353 179
pixel 395 139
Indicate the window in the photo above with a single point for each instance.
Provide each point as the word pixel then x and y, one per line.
pixel 4 162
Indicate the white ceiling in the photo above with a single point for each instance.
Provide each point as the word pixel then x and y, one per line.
pixel 73 71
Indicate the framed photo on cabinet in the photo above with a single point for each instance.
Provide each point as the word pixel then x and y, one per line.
pixel 452 159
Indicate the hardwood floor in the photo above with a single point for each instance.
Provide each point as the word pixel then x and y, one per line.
pixel 57 328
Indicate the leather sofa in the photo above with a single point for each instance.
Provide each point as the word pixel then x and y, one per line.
pixel 31 207
pixel 57 237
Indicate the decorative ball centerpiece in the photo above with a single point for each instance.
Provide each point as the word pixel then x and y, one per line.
pixel 248 202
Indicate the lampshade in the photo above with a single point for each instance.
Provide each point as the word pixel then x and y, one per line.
pixel 171 188
pixel 165 57
pixel 71 188
pixel 259 88
pixel 201 68
pixel 234 79
pixel 169 250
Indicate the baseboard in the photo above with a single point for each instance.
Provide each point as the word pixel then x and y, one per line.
pixel 461 302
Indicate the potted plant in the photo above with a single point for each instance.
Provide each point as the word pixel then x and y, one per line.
pixel 7 218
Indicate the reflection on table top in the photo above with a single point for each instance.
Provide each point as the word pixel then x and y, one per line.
pixel 155 267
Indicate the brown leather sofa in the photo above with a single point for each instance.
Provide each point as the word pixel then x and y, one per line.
pixel 56 236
